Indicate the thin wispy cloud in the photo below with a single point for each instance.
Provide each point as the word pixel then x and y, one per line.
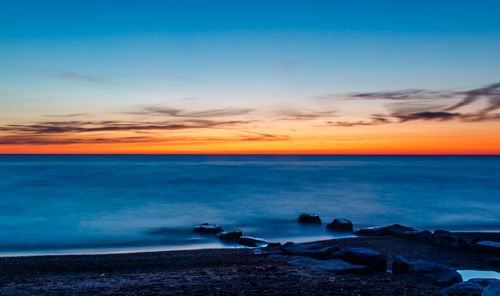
pixel 84 77
pixel 176 112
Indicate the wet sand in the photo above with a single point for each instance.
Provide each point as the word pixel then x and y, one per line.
pixel 228 272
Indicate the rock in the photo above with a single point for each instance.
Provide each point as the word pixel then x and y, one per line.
pixel 438 273
pixel 340 225
pixel 394 229
pixel 229 236
pixel 251 241
pixel 492 290
pixel 483 282
pixel 462 289
pixel 317 251
pixel 444 238
pixel 274 245
pixel 488 247
pixel 309 219
pixel 208 228
pixel 332 265
pixel 373 259
pixel 424 235
pixel 400 265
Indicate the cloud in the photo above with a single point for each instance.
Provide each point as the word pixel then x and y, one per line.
pixel 420 104
pixel 58 127
pixel 83 77
pixel 290 114
pixel 65 115
pixel 174 112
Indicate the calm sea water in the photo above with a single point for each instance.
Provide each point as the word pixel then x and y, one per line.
pixel 108 203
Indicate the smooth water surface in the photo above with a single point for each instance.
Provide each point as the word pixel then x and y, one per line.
pixel 100 203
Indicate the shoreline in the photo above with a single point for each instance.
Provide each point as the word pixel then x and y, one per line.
pixel 231 271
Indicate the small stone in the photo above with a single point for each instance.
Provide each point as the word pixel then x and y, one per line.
pixel 373 259
pixel 309 219
pixel 400 265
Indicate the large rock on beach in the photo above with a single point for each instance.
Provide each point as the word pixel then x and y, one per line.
pixel 251 241
pixel 462 289
pixel 437 273
pixel 370 258
pixel 229 236
pixel 486 247
pixel 317 251
pixel 340 225
pixel 309 219
pixel 445 238
pixel 331 265
pixel 208 228
pixel 394 229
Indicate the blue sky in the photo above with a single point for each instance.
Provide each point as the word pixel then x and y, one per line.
pixel 94 57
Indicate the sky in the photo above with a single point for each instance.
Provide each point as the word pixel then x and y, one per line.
pixel 292 77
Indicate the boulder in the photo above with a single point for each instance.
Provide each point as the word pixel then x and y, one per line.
pixel 400 265
pixel 309 219
pixel 445 238
pixel 437 273
pixel 317 251
pixel 424 235
pixel 372 259
pixel 332 265
pixel 208 228
pixel 483 282
pixel 394 229
pixel 340 225
pixel 492 290
pixel 229 236
pixel 462 289
pixel 251 241
pixel 488 247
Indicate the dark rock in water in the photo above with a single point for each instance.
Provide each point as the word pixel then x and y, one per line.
pixel 340 225
pixel 373 259
pixel 208 228
pixel 400 265
pixel 488 247
pixel 424 235
pixel 438 273
pixel 332 265
pixel 444 238
pixel 483 282
pixel 492 290
pixel 462 289
pixel 309 219
pixel 394 229
pixel 274 245
pixel 251 241
pixel 229 236
pixel 317 251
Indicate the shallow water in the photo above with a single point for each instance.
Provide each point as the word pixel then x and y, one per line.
pixel 92 203
pixel 478 274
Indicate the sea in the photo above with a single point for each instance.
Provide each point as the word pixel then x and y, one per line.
pixel 86 204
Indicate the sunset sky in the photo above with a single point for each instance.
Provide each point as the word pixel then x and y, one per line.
pixel 362 77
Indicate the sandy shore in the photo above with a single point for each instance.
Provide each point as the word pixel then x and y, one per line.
pixel 227 272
